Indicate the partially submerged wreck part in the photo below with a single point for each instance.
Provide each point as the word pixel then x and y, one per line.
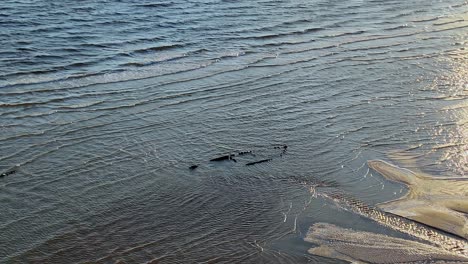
pixel 247 152
pixel 281 147
pixel 435 201
pixel 284 148
pixel 448 243
pixel 365 247
pixel 226 157
pixel 7 173
pixel 257 162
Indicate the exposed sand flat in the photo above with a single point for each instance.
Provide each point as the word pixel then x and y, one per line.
pixel 435 201
pixel 427 234
pixel 365 247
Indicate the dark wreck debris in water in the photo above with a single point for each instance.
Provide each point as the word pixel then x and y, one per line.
pixel 230 157
pixel 193 167
pixel 248 152
pixel 8 173
pixel 257 162
pixel 284 147
pixel 226 157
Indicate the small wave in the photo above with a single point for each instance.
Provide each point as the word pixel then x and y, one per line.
pixel 119 43
pixel 83 9
pixel 55 28
pixel 358 32
pixel 260 28
pixel 448 22
pixel 153 61
pixel 163 4
pixel 26 49
pixel 8 53
pixel 450 28
pixel 459 5
pixel 282 43
pixel 425 20
pixel 66 49
pixel 95 45
pixel 82 105
pixel 304 31
pixel 117 23
pixel 19 74
pixel 157 48
pixel 115 76
pixel 397 27
pixel 309 49
pixel 51 69
pixel 163 57
pixel 403 14
pixel 27 104
pixel 277 35
pixel 16 23
pixel 47 57
pixel 80 19
pixel 294 22
pixel 173 57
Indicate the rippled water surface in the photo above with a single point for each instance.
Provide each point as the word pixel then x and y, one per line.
pixel 104 106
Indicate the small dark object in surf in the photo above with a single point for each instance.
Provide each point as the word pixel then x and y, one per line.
pixel 227 157
pixel 7 173
pixel 193 167
pixel 257 162
pixel 245 153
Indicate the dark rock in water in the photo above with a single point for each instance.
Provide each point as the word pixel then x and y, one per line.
pixel 257 162
pixel 193 167
pixel 227 157
pixel 7 173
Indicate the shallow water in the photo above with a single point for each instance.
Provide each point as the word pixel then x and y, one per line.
pixel 104 106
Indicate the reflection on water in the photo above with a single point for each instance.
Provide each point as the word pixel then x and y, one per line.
pixel 104 106
pixel 446 151
pixel 454 149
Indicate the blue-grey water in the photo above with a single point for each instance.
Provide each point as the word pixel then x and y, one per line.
pixel 105 104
